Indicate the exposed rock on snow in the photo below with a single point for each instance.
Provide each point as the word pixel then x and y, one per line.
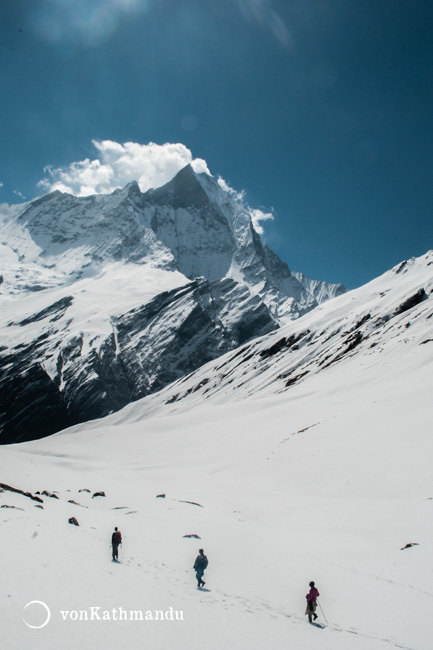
pixel 8 488
pixel 49 494
pixel 412 301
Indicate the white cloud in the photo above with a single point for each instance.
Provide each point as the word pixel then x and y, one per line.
pixel 20 194
pixel 239 196
pixel 257 216
pixel 151 165
pixel 1 184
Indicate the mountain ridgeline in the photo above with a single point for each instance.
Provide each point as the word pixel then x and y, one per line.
pixel 108 298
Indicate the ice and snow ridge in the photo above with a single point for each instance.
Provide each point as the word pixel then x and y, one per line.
pixel 390 316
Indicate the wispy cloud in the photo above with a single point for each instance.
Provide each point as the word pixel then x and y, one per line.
pixel 20 194
pixel 258 216
pixel 264 13
pixel 1 184
pixel 82 22
pixel 239 196
pixel 151 165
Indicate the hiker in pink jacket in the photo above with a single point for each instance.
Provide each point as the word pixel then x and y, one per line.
pixel 311 597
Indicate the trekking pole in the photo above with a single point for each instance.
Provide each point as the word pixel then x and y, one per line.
pixel 322 611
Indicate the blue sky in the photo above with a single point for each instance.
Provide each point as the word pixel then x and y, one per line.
pixel 320 110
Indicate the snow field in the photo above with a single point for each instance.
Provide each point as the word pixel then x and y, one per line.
pixel 327 482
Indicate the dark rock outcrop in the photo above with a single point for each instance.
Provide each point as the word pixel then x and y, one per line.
pixel 8 488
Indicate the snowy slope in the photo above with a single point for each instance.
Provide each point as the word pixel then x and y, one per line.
pixel 107 298
pixel 326 478
pixel 389 316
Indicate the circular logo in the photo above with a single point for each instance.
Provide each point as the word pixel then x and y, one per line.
pixel 47 613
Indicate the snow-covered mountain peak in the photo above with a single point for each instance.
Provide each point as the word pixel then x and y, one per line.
pixel 191 224
pixel 103 301
pixel 183 191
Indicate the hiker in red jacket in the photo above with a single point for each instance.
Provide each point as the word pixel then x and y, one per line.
pixel 311 597
pixel 116 539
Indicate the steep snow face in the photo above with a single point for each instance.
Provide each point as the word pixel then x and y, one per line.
pixel 192 226
pixel 93 316
pixel 211 234
pixel 60 238
pixel 322 291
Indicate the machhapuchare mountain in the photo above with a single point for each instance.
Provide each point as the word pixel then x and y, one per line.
pixel 109 298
